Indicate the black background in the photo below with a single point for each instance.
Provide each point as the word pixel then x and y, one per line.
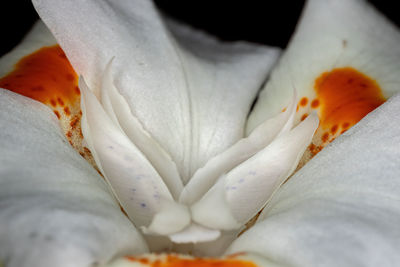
pixel 268 22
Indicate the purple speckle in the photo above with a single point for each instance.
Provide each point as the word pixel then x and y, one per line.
pixel 241 180
pixel 133 189
pixel 252 173
pixel 143 205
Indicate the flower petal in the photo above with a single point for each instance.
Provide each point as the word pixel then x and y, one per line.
pixel 118 109
pixel 55 209
pixel 243 192
pixel 343 59
pixel 342 208
pixel 136 184
pixel 205 177
pixel 194 105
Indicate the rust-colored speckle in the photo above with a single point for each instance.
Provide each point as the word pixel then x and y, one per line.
pixel 60 101
pixel 74 122
pixel 304 117
pixel 53 102
pixel 57 114
pixel 334 129
pixel 67 111
pixel 303 102
pixel 87 151
pixel 325 137
pixel 345 125
pixel 315 103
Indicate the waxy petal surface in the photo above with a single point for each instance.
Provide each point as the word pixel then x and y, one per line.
pixel 193 104
pixel 56 210
pixel 342 208
pixel 344 61
pixel 136 184
pixel 244 191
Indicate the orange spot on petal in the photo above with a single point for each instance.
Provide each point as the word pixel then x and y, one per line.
pixel 334 129
pixel 325 137
pixel 176 261
pixel 45 76
pixel 346 96
pixel 304 117
pixel 303 102
pixel 315 103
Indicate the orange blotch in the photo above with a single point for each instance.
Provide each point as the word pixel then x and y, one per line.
pixel 346 96
pixel 304 117
pixel 315 103
pixel 175 261
pixel 303 102
pixel 45 76
pixel 334 129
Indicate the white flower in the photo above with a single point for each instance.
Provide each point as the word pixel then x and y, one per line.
pixel 165 124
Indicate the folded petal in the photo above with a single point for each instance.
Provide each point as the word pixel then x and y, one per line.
pixel 244 191
pixel 136 184
pixel 55 208
pixel 342 208
pixel 193 104
pixel 205 177
pixel 118 110
pixel 343 60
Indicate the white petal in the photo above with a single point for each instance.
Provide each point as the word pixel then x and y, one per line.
pixel 260 137
pixel 55 209
pixel 120 112
pixel 332 34
pixel 194 105
pixel 239 195
pixel 170 219
pixel 342 208
pixel 138 187
pixel 195 233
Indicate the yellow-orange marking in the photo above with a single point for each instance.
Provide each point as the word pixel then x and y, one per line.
pixel 175 261
pixel 47 76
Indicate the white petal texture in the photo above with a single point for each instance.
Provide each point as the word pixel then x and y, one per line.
pixel 342 208
pixel 343 60
pixel 136 184
pixel 55 209
pixel 193 104
pixel 244 191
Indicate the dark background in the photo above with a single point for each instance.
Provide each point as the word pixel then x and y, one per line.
pixel 268 22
